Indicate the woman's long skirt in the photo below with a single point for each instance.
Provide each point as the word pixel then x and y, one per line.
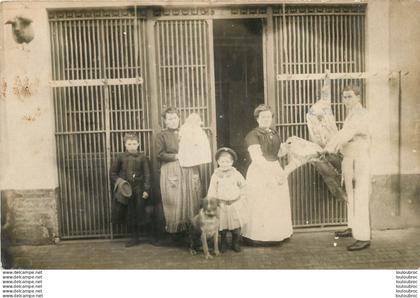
pixel 181 194
pixel 269 204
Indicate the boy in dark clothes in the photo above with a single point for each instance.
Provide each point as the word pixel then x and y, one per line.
pixel 133 167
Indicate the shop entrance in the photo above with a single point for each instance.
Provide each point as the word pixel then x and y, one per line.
pixel 238 64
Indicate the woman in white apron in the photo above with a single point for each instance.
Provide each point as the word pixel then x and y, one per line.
pixel 267 188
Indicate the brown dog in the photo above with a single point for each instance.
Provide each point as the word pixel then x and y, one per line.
pixel 204 226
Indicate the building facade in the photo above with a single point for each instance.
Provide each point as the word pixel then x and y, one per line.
pixel 95 71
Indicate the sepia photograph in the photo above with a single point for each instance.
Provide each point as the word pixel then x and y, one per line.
pixel 210 134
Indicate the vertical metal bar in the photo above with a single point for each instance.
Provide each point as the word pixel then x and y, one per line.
pixel 156 32
pixel 324 45
pixel 89 156
pixel 138 115
pixel 106 118
pixel 289 70
pixel 174 64
pixel 71 51
pixel 74 193
pixel 211 85
pixel 102 44
pixel 276 60
pixel 357 35
pixel 85 51
pixel 203 106
pixel 145 123
pixel 293 104
pixel 189 54
pixel 164 61
pixel 93 58
pixel 182 45
pixel 65 139
pixel 78 157
pixel 140 101
pixel 62 156
pixel 131 73
pixel 70 183
pixel 171 59
pixel 127 99
pixel 328 42
pixel 146 54
pixel 114 109
pixel 145 75
pixel 284 69
pixel 270 58
pixel 330 51
pixel 92 164
pixel 84 163
pixel 83 113
pixel 193 65
pixel 58 47
pixel 168 63
pixel 79 53
pixel 54 56
pixel 66 52
pixel 333 68
pixel 121 89
pixel 343 33
pixel 55 49
pixel 309 93
pixel 74 127
pixel 307 69
pixel 177 66
pixel 196 66
pixel 333 44
pixel 209 79
pixel 362 57
pixel 299 109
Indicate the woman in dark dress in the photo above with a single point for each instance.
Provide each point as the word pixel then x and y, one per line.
pixel 267 187
pixel 180 187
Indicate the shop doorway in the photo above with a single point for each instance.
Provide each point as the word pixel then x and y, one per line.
pixel 239 77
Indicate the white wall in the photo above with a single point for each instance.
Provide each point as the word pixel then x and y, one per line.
pixel 405 56
pixel 28 148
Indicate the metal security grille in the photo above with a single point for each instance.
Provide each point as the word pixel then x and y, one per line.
pixel 185 72
pixel 308 40
pixel 98 70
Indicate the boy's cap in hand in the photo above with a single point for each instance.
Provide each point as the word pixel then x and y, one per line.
pixel 122 191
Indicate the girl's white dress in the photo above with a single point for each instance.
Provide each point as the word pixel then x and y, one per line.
pixel 229 188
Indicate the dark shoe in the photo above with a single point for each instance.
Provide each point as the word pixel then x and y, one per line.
pixel 236 240
pixel 358 245
pixel 223 241
pixel 132 242
pixel 344 234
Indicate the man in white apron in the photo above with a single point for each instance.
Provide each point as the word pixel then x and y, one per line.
pixel 353 140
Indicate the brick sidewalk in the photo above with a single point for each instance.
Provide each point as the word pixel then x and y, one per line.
pixel 391 249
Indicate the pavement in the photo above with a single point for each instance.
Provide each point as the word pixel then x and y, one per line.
pixel 390 249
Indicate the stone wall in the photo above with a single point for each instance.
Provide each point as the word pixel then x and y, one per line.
pixel 29 216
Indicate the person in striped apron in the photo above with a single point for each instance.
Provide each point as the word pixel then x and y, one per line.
pixel 353 141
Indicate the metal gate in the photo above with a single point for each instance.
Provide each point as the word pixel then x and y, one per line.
pixel 308 40
pixel 99 91
pixel 185 72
